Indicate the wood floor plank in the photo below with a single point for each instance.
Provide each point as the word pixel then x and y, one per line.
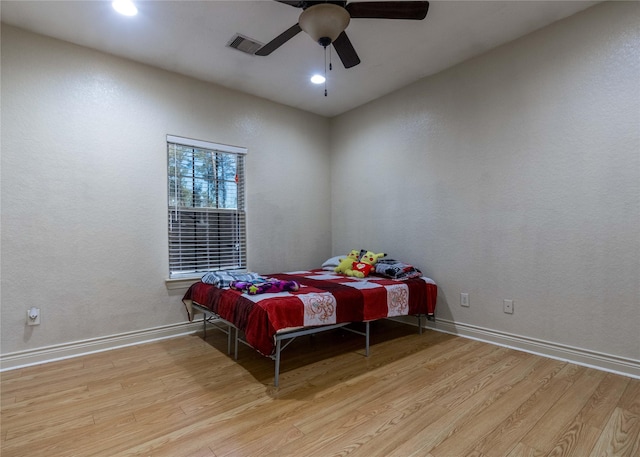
pixel 474 430
pixel 449 423
pixel 430 395
pixel 46 428
pixel 601 404
pixel 620 437
pixel 579 436
pixel 522 450
pixel 341 439
pixel 449 375
pixel 472 408
pixel 577 440
pixel 475 454
pixel 471 386
pixel 548 430
pixel 172 445
pixel 410 425
pixel 510 431
pixel 630 399
pixel 34 380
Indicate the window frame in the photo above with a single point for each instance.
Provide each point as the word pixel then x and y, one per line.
pixel 192 241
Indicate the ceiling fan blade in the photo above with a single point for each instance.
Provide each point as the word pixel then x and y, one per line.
pixel 388 10
pixel 295 3
pixel 345 51
pixel 279 41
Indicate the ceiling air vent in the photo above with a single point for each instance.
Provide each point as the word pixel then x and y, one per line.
pixel 244 44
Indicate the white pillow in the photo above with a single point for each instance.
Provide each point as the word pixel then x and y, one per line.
pixel 333 262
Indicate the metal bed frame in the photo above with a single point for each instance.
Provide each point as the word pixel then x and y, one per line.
pixel 288 336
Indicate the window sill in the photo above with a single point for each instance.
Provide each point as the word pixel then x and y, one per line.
pixel 180 283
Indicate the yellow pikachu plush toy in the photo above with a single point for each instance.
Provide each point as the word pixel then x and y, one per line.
pixel 365 265
pixel 347 263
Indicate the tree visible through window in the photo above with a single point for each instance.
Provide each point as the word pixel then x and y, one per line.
pixel 207 220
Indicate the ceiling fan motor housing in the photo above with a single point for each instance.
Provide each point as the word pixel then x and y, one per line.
pixel 324 22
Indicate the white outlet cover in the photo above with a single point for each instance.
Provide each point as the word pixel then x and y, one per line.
pixel 35 321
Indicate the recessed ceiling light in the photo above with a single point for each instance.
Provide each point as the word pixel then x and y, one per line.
pixel 125 7
pixel 318 79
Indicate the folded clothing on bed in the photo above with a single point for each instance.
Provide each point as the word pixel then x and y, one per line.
pixel 269 286
pixel 224 278
pixel 395 269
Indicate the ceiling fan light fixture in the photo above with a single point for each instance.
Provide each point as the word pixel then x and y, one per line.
pixel 324 22
pixel 318 79
pixel 125 7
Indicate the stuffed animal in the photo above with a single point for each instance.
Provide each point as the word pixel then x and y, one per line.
pixel 363 267
pixel 264 287
pixel 346 263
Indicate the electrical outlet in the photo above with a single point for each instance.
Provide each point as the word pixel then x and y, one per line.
pixel 33 316
pixel 508 306
pixel 464 300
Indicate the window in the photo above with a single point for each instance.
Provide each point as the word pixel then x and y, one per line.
pixel 207 220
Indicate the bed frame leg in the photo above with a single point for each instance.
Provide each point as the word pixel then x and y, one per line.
pixel 204 326
pixel 277 373
pixel 420 324
pixel 366 352
pixel 236 330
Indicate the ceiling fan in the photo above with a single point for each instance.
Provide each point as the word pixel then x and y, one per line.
pixel 325 22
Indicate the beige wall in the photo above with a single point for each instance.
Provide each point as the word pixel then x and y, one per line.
pixel 511 176
pixel 515 175
pixel 84 196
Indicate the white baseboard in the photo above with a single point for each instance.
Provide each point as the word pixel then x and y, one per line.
pixel 585 357
pixel 597 360
pixel 46 354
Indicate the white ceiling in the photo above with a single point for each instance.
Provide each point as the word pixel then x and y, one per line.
pixel 190 37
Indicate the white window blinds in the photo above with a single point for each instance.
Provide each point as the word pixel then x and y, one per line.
pixel 207 219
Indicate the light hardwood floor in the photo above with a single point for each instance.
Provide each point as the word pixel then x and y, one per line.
pixel 432 395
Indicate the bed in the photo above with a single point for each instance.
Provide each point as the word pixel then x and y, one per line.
pixel 323 302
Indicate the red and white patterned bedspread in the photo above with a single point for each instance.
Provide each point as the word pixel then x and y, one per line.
pixel 324 298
